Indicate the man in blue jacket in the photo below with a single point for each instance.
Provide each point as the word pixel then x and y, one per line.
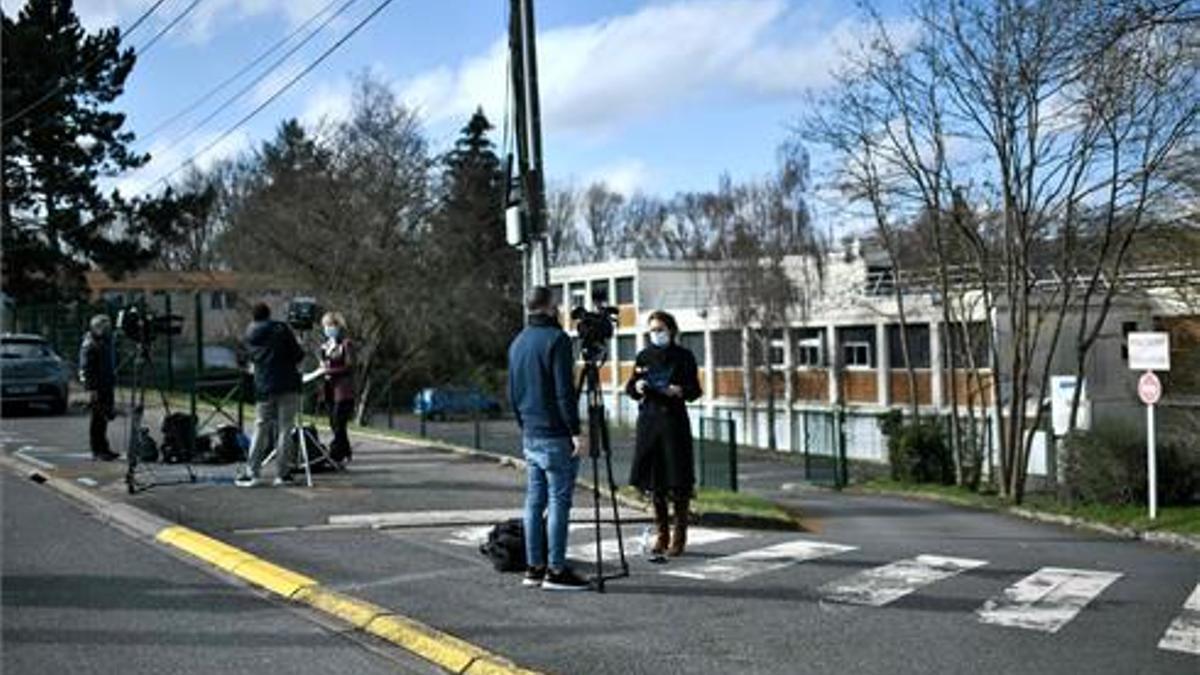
pixel 276 356
pixel 541 389
pixel 98 372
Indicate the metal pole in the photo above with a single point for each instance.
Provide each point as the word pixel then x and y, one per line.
pixel 170 349
pixel 1151 463
pixel 733 476
pixel 199 363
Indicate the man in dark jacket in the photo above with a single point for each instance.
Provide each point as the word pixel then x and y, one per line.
pixel 98 373
pixel 542 392
pixel 275 355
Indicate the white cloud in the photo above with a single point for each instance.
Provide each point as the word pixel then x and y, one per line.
pixel 202 22
pixel 599 77
pixel 626 177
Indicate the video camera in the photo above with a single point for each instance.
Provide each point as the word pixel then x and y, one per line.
pixel 144 327
pixel 303 313
pixel 595 328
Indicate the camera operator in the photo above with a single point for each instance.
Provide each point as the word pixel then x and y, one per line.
pixel 664 379
pixel 98 373
pixel 542 393
pixel 338 365
pixel 275 354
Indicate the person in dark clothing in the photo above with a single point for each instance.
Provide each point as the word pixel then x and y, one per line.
pixel 541 390
pixel 275 354
pixel 664 380
pixel 337 363
pixel 98 373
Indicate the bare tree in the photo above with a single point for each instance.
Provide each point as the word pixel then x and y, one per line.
pixel 602 221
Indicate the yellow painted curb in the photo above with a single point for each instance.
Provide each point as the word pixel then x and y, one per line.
pixel 210 550
pixel 273 577
pixel 445 650
pixel 357 613
pixel 490 665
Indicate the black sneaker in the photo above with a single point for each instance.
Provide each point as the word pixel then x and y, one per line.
pixel 534 576
pixel 564 580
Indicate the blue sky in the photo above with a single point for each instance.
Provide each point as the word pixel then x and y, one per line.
pixel 656 96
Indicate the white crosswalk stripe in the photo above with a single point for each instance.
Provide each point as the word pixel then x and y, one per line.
pixel 882 585
pixel 1183 635
pixel 1047 599
pixel 757 561
pixel 697 536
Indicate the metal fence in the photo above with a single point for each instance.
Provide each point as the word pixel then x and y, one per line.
pixel 716 454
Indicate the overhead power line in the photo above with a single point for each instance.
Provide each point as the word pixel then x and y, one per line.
pixel 204 98
pixel 62 83
pixel 167 28
pixel 271 99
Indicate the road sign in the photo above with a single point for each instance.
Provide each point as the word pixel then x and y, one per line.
pixel 1062 391
pixel 1149 388
pixel 1149 351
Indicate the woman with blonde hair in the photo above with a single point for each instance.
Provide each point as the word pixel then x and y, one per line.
pixel 337 362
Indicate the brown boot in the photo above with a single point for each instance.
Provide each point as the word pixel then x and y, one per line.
pixel 679 537
pixel 662 524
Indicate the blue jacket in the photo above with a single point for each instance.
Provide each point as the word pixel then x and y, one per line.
pixel 276 356
pixel 541 385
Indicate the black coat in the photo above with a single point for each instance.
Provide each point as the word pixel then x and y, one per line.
pixel 276 356
pixel 663 459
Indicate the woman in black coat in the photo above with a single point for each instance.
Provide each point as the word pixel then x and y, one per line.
pixel 664 379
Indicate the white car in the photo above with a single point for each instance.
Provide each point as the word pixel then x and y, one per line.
pixel 31 372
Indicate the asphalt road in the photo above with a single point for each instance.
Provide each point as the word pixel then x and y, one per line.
pixel 879 586
pixel 82 597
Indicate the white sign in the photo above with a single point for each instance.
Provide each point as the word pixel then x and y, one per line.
pixel 1062 390
pixel 1149 351
pixel 1149 388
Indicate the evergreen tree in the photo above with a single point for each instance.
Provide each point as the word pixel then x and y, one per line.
pixel 481 273
pixel 59 136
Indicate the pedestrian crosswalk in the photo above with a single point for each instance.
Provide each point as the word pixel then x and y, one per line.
pixel 1045 601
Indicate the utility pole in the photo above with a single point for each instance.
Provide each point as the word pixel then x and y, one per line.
pixel 525 218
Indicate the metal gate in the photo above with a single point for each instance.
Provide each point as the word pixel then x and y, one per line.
pixel 821 436
pixel 716 454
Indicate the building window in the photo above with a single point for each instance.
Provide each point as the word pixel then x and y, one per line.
pixel 1127 327
pixel 808 348
pixel 694 342
pixel 727 349
pixel 777 349
pixel 556 294
pixel 856 354
pixel 974 335
pixel 578 294
pixel 625 291
pixel 600 291
pixel 857 346
pixel 917 336
pixel 627 348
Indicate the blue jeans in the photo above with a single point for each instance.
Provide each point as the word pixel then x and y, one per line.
pixel 550 474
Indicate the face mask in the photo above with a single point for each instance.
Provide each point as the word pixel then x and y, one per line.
pixel 660 339
pixel 332 332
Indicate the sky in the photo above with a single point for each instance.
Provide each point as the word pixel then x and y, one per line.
pixel 653 96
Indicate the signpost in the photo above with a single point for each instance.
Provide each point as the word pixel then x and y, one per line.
pixel 1150 352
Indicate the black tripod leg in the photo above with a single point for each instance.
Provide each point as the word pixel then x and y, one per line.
pixel 596 520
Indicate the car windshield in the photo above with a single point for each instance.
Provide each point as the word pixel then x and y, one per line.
pixel 12 349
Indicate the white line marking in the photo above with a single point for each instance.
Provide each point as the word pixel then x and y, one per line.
pixel 33 460
pixel 697 536
pixel 1183 635
pixel 84 480
pixel 758 561
pixel 882 585
pixel 458 517
pixel 1047 599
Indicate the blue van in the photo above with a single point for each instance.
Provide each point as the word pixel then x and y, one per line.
pixel 439 403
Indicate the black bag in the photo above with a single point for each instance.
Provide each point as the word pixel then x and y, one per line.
pixel 505 546
pixel 229 446
pixel 317 452
pixel 144 447
pixel 178 432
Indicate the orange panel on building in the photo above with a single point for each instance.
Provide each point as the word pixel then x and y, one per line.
pixel 760 385
pixel 728 383
pixel 626 316
pixel 810 384
pixel 972 389
pixel 898 383
pixel 859 386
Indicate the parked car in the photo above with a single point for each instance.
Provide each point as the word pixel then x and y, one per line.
pixel 442 402
pixel 32 373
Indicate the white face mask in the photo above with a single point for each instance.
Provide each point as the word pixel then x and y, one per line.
pixel 660 338
pixel 332 332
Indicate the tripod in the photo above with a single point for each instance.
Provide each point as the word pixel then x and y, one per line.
pixel 598 443
pixel 137 409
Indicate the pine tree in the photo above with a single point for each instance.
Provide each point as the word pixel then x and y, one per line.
pixel 60 135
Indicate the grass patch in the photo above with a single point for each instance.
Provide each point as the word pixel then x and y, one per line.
pixel 1177 519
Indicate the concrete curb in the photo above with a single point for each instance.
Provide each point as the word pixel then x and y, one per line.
pixel 445 650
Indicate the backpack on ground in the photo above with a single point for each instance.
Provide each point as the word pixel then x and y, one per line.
pixel 178 433
pixel 228 448
pixel 318 454
pixel 505 546
pixel 144 447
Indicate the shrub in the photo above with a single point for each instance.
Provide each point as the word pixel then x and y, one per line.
pixel 917 450
pixel 1107 465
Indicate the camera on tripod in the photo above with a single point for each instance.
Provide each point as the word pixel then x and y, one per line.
pixel 595 329
pixel 303 313
pixel 144 327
